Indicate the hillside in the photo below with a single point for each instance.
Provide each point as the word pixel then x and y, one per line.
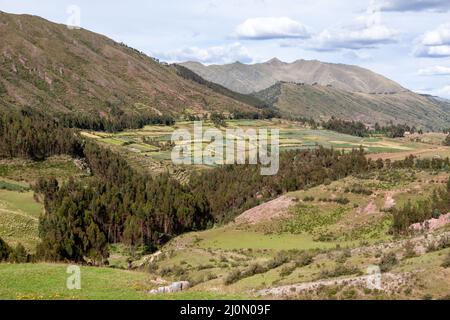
pixel 252 78
pixel 48 67
pixel 321 102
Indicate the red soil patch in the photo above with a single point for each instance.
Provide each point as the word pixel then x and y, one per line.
pixel 432 224
pixel 273 209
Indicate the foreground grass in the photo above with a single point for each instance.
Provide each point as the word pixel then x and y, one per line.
pixel 48 282
pixel 19 214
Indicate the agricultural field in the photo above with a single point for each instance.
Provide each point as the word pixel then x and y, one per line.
pixel 310 244
pixel 19 210
pixel 150 148
pixel 320 239
pixel 327 235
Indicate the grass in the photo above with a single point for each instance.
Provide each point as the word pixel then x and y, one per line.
pixel 48 282
pixel 19 214
pixel 232 239
pixel 18 170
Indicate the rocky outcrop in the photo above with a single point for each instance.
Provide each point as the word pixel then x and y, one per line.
pixel 173 288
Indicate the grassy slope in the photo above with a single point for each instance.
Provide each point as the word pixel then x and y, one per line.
pixel 209 256
pixel 48 281
pixel 19 211
pixel 55 69
pixel 323 102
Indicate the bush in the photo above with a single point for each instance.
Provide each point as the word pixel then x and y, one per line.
pixel 342 200
pixel 388 261
pixel 446 263
pixel 280 259
pixel 232 277
pixel 339 271
pixel 304 260
pixel 287 270
pixel 5 250
pixel 19 254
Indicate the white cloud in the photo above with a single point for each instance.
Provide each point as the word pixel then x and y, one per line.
pixel 216 54
pixel 435 43
pixel 443 92
pixel 271 28
pixel 353 55
pixel 415 5
pixel 437 37
pixel 435 71
pixel 367 32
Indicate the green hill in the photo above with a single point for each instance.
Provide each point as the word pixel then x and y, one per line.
pixel 47 67
pixel 322 102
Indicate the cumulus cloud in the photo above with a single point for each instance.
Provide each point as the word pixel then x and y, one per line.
pixel 271 28
pixel 415 5
pixel 443 92
pixel 438 37
pixel 217 54
pixel 435 71
pixel 368 32
pixel 435 43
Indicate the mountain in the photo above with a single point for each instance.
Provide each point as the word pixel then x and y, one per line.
pixel 245 78
pixel 322 102
pixel 50 68
pixel 321 90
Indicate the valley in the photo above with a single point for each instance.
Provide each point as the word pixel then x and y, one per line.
pixel 309 244
pixel 93 206
pixel 150 147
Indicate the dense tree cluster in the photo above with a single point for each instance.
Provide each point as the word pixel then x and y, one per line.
pixel 394 130
pixel 13 255
pixel 118 205
pixel 35 138
pixel 233 189
pixel 359 129
pixel 422 210
pixel 347 127
pixel 118 121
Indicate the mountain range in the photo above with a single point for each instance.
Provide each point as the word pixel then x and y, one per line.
pixel 320 90
pixel 246 78
pixel 60 71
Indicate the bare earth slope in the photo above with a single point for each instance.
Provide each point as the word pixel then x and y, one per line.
pixel 49 67
pixel 321 102
pixel 252 78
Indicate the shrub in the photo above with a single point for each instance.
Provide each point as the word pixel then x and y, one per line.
pixel 19 254
pixel 388 261
pixel 232 277
pixel 304 260
pixel 287 270
pixel 280 259
pixel 446 263
pixel 339 271
pixel 342 200
pixel 5 250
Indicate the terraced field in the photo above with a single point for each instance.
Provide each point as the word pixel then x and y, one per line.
pixel 150 148
pixel 19 211
pixel 19 214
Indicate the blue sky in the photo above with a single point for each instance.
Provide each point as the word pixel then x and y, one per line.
pixel 405 40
